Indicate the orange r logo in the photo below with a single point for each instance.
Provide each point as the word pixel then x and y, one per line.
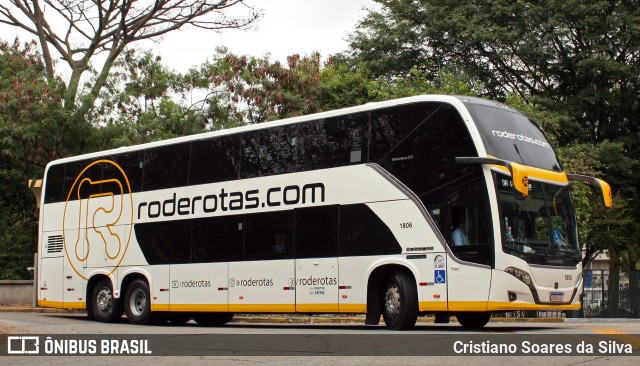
pixel 98 217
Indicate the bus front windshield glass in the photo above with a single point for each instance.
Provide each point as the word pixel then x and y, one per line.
pixel 508 134
pixel 540 229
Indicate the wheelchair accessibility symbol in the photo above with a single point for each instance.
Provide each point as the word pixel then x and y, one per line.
pixel 440 276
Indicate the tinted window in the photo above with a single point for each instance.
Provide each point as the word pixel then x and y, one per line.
pixel 510 135
pixel 317 232
pixel 72 173
pixel 363 233
pixel 333 142
pixel 215 160
pixel 55 184
pixel 165 242
pixel 419 143
pixel 217 239
pixel 268 152
pixel 132 163
pixel 166 167
pixel 269 236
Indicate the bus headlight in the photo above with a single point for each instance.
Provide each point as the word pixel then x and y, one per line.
pixel 520 274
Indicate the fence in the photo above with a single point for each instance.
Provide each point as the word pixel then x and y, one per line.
pixel 595 300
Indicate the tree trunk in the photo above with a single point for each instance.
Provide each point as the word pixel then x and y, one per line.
pixel 46 55
pixel 613 290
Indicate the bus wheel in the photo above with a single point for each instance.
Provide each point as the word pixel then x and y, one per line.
pixel 212 319
pixel 104 307
pixel 137 302
pixel 400 302
pixel 473 320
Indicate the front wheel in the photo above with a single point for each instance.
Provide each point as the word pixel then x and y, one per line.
pixel 473 320
pixel 400 302
pixel 104 306
pixel 137 302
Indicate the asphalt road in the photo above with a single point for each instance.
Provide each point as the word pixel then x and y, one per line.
pixel 312 344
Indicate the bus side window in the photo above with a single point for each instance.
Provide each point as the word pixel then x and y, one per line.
pixel 72 172
pixel 166 242
pixel 469 234
pixel 215 160
pixel 217 239
pixel 268 152
pixel 54 190
pixel 316 232
pixel 362 232
pixel 132 163
pixel 268 236
pixel 333 142
pixel 166 167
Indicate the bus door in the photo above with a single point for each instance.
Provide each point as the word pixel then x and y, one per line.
pixel 202 285
pixel 468 272
pixel 262 282
pixel 316 276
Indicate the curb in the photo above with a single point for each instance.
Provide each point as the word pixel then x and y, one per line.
pixel 293 319
pixel 360 320
pixel 15 309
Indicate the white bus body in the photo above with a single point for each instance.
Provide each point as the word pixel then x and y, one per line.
pixel 313 220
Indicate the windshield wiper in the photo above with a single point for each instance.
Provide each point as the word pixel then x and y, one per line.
pixel 518 151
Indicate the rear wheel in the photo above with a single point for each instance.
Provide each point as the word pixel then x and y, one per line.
pixel 212 319
pixel 104 306
pixel 473 320
pixel 137 302
pixel 400 302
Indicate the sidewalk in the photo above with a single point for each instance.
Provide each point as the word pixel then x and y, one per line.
pixel 288 318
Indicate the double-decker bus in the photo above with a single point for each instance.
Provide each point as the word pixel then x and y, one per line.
pixel 425 205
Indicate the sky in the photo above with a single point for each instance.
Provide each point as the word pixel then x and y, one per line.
pixel 287 27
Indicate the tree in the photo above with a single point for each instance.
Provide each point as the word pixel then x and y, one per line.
pixel 109 26
pixel 254 90
pixel 32 130
pixel 582 56
pixel 140 103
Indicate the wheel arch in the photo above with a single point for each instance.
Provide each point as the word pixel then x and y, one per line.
pixel 375 279
pixel 91 284
pixel 132 276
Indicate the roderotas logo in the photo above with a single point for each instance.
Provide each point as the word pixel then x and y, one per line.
pixel 97 217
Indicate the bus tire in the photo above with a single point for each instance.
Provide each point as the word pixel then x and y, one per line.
pixel 137 302
pixel 473 320
pixel 105 307
pixel 212 319
pixel 399 302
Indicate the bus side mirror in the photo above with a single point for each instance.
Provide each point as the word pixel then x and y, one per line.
pixel 605 188
pixel 519 173
pixel 520 179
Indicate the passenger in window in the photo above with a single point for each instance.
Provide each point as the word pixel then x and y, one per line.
pixel 459 235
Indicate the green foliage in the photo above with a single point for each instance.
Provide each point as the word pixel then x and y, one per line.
pixel 254 90
pixel 138 104
pixel 31 128
pixel 583 56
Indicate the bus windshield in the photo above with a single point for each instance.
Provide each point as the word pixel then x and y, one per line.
pixel 510 135
pixel 541 229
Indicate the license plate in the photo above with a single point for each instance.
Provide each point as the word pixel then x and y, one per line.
pixel 557 297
